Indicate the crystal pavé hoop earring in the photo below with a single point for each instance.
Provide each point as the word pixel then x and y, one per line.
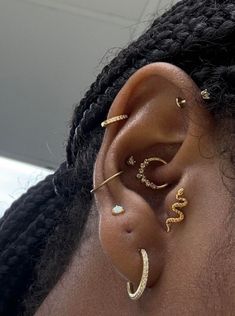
pixel 114 120
pixel 141 173
pixel 144 279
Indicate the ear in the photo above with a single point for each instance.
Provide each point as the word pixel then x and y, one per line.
pixel 156 127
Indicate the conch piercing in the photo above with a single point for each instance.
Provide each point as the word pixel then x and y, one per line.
pixel 114 120
pixel 182 202
pixel 141 176
pixel 180 102
pixel 106 181
pixel 144 279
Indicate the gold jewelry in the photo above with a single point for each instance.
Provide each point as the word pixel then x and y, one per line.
pixel 182 202
pixel 144 279
pixel 141 176
pixel 106 181
pixel 118 210
pixel 180 102
pixel 205 94
pixel 131 161
pixel 114 120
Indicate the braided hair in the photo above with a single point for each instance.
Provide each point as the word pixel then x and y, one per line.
pixel 41 230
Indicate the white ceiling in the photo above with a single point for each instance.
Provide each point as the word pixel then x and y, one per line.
pixel 51 51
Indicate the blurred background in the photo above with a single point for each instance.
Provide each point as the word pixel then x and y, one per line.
pixel 50 53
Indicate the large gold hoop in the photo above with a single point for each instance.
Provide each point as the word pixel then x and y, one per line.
pixel 144 279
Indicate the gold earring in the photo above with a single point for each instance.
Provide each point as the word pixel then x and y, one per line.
pixel 141 176
pixel 205 94
pixel 106 181
pixel 180 102
pixel 144 279
pixel 114 120
pixel 181 203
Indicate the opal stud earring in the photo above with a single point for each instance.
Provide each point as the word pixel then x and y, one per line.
pixel 118 210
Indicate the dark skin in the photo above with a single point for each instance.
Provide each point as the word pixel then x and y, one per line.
pixel 192 266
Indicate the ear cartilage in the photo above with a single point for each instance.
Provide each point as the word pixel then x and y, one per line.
pixel 131 161
pixel 114 120
pixel 205 94
pixel 181 203
pixel 118 210
pixel 180 102
pixel 141 175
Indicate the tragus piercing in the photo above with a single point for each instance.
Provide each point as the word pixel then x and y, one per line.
pixel 181 203
pixel 141 176
pixel 114 120
pixel 106 181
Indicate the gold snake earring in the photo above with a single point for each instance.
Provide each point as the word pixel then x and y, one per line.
pixel 182 202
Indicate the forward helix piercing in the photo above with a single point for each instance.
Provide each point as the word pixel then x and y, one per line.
pixel 114 120
pixel 106 181
pixel 141 173
pixel 144 279
pixel 180 102
pixel 181 203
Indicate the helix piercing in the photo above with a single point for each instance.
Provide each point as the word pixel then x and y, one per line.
pixel 106 181
pixel 141 176
pixel 131 161
pixel 144 279
pixel 114 120
pixel 205 94
pixel 182 202
pixel 180 102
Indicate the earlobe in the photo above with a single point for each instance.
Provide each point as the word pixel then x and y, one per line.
pixel 140 169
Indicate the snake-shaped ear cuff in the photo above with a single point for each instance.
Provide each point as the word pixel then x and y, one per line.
pixel 181 203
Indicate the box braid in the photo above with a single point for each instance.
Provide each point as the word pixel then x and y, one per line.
pixel 42 229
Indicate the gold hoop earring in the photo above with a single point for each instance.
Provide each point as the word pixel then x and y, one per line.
pixel 144 279
pixel 181 203
pixel 106 181
pixel 141 176
pixel 114 120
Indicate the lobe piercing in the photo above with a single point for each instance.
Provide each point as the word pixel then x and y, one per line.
pixel 114 120
pixel 182 202
pixel 141 176
pixel 180 102
pixel 106 181
pixel 118 210
pixel 144 279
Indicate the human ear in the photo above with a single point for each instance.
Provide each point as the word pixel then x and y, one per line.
pixel 156 127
